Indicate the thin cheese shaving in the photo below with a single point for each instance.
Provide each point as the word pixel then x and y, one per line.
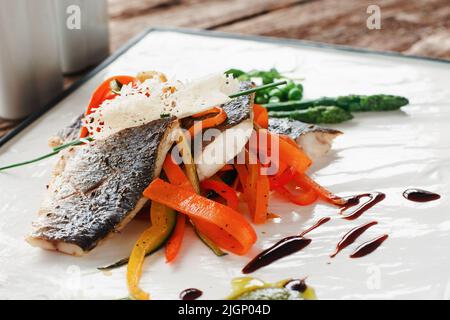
pixel 153 99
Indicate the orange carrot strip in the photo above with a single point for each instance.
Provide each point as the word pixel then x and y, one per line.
pixel 260 116
pixel 223 190
pixel 221 239
pixel 292 155
pixel 218 222
pixel 252 181
pixel 262 198
pixel 214 121
pixel 243 176
pixel 289 139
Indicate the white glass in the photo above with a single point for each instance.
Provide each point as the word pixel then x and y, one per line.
pixel 85 42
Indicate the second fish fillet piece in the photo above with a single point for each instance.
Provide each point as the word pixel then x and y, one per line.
pixel 316 141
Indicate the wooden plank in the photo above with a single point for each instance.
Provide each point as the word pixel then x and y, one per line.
pixel 201 14
pixel 404 23
pixel 7 125
pixel 131 8
pixel 434 45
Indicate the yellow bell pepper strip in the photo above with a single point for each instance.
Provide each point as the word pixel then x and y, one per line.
pixel 222 189
pixel 216 221
pixel 102 93
pixel 213 121
pixel 163 220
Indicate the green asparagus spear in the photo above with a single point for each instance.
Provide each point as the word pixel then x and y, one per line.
pixel 351 103
pixel 291 105
pixel 319 114
pixel 379 102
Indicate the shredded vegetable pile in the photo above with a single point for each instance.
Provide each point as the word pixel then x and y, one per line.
pixel 268 164
pixel 211 206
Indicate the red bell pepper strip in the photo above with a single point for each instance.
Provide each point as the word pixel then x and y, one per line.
pixel 303 198
pixel 173 245
pixel 223 225
pixel 175 174
pixel 177 177
pixel 227 167
pixel 102 93
pixel 307 183
pixel 281 179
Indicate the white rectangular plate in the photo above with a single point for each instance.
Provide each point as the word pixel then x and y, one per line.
pixel 385 152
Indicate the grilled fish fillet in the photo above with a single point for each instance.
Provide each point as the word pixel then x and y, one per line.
pixel 96 189
pixel 316 141
pixel 230 137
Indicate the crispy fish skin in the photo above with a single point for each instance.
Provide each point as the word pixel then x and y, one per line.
pixel 315 140
pixel 96 189
pixel 213 151
pixel 238 110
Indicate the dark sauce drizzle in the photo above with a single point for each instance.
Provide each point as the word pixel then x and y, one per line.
pixel 351 236
pixel 374 198
pixel 368 247
pixel 282 248
pixel 419 195
pixel 190 294
pixel 296 285
pixel 316 225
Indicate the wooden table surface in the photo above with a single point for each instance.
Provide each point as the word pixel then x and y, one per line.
pixel 417 27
